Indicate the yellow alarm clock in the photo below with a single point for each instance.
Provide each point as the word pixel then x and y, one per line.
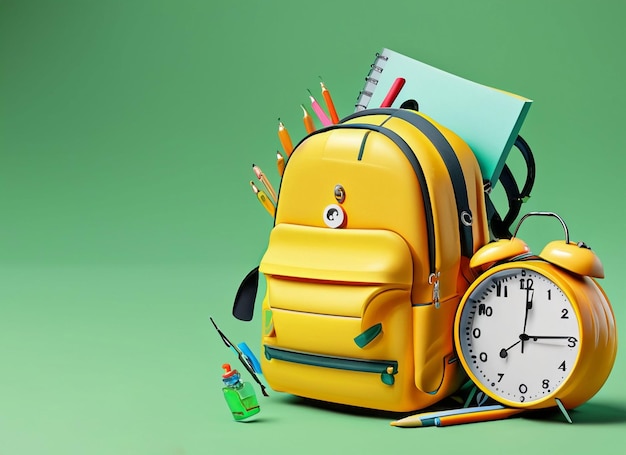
pixel 536 331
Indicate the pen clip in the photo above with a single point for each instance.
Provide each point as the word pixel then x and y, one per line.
pixel 241 356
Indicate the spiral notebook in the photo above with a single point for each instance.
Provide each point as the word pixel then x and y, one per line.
pixel 487 119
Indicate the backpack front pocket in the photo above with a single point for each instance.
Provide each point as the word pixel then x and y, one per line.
pixel 338 315
pixel 327 287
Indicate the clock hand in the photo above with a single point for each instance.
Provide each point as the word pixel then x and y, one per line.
pixel 505 352
pixel 523 337
pixel 571 340
pixel 535 338
pixel 530 292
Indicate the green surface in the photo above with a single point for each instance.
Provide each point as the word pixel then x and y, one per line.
pixel 127 134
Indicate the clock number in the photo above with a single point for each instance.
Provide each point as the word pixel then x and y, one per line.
pixel 526 284
pixel 476 332
pixel 545 384
pixel 571 342
pixel 500 376
pixel 499 290
pixel 523 388
pixel 562 366
pixel 483 356
pixel 485 310
pixel 564 313
pixel 549 294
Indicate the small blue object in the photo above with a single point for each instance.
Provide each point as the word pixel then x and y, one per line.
pixel 254 362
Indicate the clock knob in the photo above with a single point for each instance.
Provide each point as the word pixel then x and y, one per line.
pixel 574 257
pixel 498 251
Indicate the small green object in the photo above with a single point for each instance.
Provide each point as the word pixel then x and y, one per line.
pixel 239 395
pixel 242 401
pixel 268 323
pixel 368 336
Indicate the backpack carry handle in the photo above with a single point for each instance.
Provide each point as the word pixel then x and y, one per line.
pixel 501 226
pixel 243 307
pixel 527 154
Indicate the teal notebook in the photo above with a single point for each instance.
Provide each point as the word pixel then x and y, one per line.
pixel 487 119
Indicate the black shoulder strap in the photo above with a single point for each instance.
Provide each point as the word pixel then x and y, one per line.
pixel 501 226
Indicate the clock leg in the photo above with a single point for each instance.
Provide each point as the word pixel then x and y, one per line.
pixel 563 411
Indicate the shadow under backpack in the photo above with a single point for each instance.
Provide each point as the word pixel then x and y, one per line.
pixel 376 220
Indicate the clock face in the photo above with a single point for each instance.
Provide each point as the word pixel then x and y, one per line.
pixel 519 335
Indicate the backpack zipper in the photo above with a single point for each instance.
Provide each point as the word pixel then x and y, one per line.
pixel 386 368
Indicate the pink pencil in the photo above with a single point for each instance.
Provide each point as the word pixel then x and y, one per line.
pixel 321 115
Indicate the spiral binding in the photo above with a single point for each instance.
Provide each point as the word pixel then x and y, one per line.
pixel 371 81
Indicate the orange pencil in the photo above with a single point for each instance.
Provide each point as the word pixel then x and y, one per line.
pixel 285 139
pixel 481 416
pixel 280 163
pixel 307 120
pixel 329 103
pixel 427 419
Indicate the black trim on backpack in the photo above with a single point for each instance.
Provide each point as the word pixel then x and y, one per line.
pixel 451 161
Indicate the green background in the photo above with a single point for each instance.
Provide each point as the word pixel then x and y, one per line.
pixel 127 134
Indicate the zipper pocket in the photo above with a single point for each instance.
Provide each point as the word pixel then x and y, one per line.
pixel 386 368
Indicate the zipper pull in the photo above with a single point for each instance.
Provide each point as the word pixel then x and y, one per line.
pixel 387 376
pixel 434 280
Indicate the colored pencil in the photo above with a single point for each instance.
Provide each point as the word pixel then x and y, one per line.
pixel 482 416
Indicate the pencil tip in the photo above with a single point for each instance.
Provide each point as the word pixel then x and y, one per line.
pixel 309 92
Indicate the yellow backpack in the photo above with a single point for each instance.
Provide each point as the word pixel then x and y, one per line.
pixel 376 220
